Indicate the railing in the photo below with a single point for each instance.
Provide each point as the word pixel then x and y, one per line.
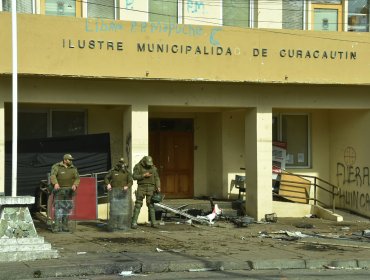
pixel 302 184
pixel 43 194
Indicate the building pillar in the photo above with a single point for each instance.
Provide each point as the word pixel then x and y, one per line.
pixel 136 141
pixel 2 148
pixel 258 151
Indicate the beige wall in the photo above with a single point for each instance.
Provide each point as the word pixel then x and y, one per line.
pixel 233 153
pixel 350 161
pixel 108 119
pixel 2 146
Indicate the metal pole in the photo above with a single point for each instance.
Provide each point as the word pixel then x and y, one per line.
pixel 15 98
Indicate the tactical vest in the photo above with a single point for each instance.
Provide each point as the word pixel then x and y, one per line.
pixel 119 179
pixel 149 180
pixel 65 176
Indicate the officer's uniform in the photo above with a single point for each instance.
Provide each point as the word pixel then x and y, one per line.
pixel 66 177
pixel 118 178
pixel 146 188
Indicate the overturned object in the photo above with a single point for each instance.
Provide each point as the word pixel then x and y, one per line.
pixel 199 219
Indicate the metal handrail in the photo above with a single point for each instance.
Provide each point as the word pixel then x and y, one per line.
pixel 330 188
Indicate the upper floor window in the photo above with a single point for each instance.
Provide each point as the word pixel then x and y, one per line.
pixel 163 11
pixel 236 13
pixel 23 6
pixel 358 15
pixel 101 9
pixel 293 14
pixel 51 123
pixel 61 8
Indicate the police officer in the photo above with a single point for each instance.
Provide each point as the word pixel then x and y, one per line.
pixel 148 182
pixel 118 181
pixel 65 180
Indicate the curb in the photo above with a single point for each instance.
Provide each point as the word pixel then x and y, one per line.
pixel 32 270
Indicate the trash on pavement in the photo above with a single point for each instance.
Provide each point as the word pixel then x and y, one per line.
pixel 283 235
pixel 272 218
pixel 201 269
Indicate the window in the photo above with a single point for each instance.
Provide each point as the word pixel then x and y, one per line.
pixel 236 13
pixel 293 14
pixel 101 9
pixel 23 6
pixel 294 130
pixel 61 8
pixel 41 124
pixel 358 15
pixel 163 11
pixel 32 125
pixel 327 15
pixel 68 123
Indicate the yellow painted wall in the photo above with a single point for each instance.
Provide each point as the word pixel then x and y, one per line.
pixel 116 49
pixel 350 161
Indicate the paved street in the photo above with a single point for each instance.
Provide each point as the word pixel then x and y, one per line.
pixel 261 250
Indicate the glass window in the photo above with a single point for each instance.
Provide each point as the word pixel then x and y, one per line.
pixel 326 19
pixel 293 14
pixel 32 125
pixel 60 8
pixel 295 132
pixel 68 123
pixel 23 6
pixel 163 11
pixel 236 13
pixel 358 15
pixel 100 9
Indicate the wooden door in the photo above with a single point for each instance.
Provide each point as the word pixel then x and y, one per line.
pixel 172 151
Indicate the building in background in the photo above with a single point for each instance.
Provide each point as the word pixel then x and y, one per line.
pixel 205 87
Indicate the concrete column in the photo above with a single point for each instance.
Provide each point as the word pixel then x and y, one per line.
pixel 136 141
pixel 258 151
pixel 2 148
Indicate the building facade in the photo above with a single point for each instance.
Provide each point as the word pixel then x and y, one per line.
pixel 205 87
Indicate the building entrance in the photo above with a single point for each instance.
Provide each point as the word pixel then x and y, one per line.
pixel 171 145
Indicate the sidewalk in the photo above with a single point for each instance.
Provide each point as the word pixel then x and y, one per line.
pixel 90 250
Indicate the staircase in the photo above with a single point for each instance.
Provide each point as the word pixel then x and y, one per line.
pixel 18 237
pixel 25 249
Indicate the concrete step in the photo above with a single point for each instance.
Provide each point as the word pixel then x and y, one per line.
pixel 25 247
pixel 28 255
pixel 21 241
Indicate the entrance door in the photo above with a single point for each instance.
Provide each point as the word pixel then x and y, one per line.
pixel 327 17
pixel 171 146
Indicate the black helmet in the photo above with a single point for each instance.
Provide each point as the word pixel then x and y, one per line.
pixel 157 198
